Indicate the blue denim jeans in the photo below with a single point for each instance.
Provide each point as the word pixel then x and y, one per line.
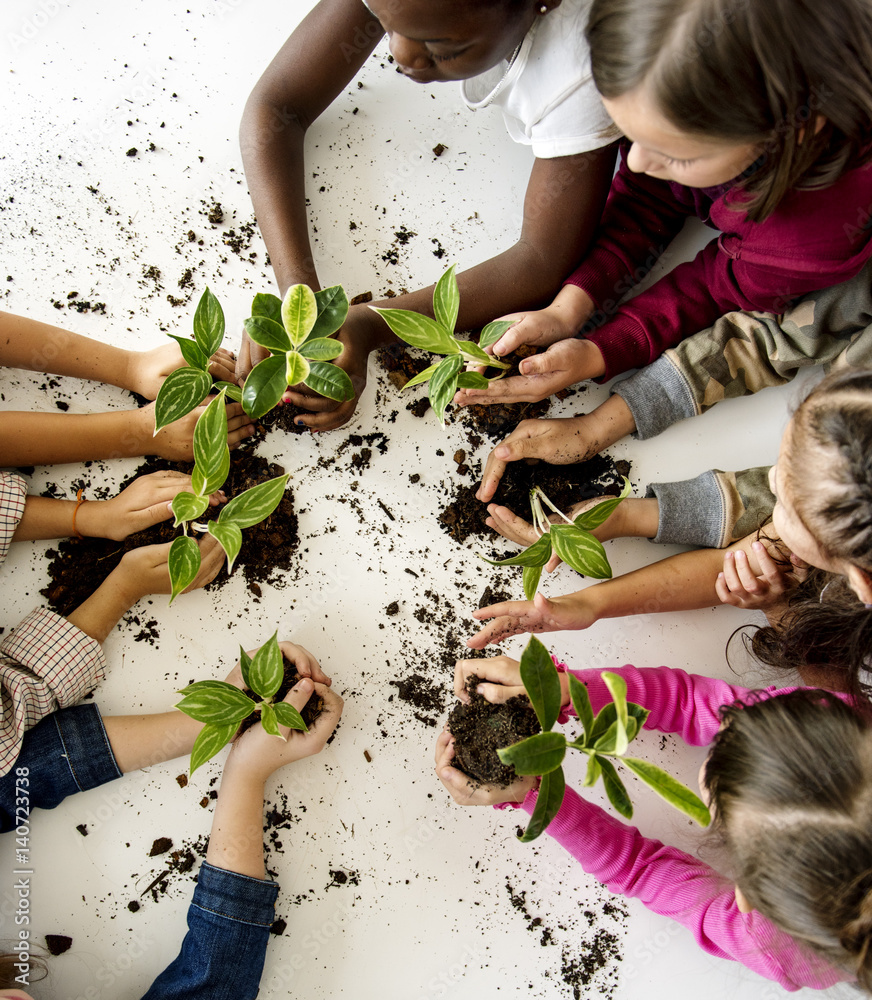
pixel 230 915
pixel 67 752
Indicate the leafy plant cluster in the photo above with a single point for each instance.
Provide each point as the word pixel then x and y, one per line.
pixel 182 391
pixel 457 369
pixel 222 707
pixel 605 736
pixel 572 541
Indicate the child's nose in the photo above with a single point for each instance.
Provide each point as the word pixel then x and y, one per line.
pixel 408 53
pixel 640 161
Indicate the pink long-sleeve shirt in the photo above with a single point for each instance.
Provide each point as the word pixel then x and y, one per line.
pixel 814 239
pixel 667 880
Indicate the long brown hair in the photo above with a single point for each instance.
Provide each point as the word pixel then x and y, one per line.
pixel 790 780
pixel 9 972
pixel 791 76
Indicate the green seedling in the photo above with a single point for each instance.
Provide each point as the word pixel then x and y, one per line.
pixel 297 331
pixel 605 737
pixel 572 541
pixel 457 369
pixel 182 391
pixel 223 707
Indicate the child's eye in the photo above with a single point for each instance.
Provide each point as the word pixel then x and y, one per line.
pixel 443 58
pixel 678 163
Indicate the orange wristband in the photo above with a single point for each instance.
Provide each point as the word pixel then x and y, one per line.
pixel 79 501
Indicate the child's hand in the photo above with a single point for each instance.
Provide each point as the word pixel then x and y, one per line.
pixel 258 754
pixel 561 365
pixel 326 414
pixel 538 327
pixel 144 570
pixel 561 441
pixel 176 441
pixel 740 586
pixel 148 369
pixel 501 679
pixel 467 792
pixel 146 501
pixel 302 659
pixel 539 615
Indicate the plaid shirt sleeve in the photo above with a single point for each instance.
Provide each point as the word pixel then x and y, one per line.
pixel 45 664
pixel 13 493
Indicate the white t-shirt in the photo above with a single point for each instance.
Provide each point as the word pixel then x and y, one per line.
pixel 546 93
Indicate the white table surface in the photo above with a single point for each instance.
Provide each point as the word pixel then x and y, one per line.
pixel 430 916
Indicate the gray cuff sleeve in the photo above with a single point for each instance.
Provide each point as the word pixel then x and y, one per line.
pixel 691 512
pixel 657 396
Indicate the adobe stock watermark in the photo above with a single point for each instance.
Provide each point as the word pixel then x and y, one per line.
pixel 33 24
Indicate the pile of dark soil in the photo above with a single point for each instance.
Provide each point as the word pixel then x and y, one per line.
pixel 480 729
pixel 564 485
pixel 311 710
pixel 78 566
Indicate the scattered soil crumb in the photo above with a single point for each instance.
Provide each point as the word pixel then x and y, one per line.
pixel 57 944
pixel 182 780
pixel 160 846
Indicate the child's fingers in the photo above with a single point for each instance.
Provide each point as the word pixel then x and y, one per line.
pixel 444 748
pixel 553 563
pixel 771 572
pixel 211 561
pixel 731 577
pixel 502 672
pixel 304 661
pixel 495 632
pixel 314 404
pixel 723 591
pixel 506 523
pixel 749 581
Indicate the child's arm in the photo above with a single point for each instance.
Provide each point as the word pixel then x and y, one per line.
pixel 41 347
pixel 233 905
pixel 679 886
pixel 49 662
pixel 143 503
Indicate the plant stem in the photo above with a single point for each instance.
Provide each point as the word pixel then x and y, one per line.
pixel 556 510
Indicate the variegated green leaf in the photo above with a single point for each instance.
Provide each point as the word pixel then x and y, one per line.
pixel 493 331
pixel 208 324
pixel 320 349
pixel 542 683
pixel 537 754
pixel 264 387
pixel 536 554
pixel 618 689
pixel 297 368
pixel 332 306
pixel 615 789
pixel 191 353
pixel 269 721
pixel 268 334
pixel 183 564
pixel 209 742
pixel 229 538
pixel 472 352
pixel 267 670
pixel 231 389
pixel 423 376
pixel 299 312
pixel 530 577
pixel 331 381
pixel 594 517
pixel 180 392
pixel 443 384
pixel 670 789
pixel 211 453
pixel 188 507
pixel 581 704
pixel 245 659
pixel 581 551
pixel 226 707
pixel 548 803
pixel 594 770
pixel 290 717
pixel 418 330
pixel 446 300
pixel 255 504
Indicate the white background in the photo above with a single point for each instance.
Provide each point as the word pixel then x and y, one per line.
pixel 431 915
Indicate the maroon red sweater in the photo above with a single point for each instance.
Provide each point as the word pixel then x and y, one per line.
pixel 813 240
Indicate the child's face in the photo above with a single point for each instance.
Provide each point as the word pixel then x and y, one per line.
pixel 435 41
pixel 662 151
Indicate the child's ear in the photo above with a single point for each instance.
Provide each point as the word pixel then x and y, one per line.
pixel 861 583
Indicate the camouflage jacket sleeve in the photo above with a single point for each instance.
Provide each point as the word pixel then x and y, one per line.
pixel 745 352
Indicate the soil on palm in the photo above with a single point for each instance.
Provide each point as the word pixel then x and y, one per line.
pixel 78 566
pixel 311 710
pixel 564 485
pixel 480 729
